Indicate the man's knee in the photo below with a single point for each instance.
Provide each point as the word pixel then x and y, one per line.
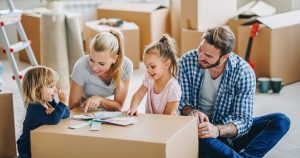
pixel 282 121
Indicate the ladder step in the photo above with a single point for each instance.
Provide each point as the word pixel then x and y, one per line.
pixel 23 72
pixel 18 46
pixel 7 13
pixel 11 21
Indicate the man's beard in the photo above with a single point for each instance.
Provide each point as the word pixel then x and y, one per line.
pixel 211 65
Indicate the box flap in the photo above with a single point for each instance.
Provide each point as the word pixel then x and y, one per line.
pixel 136 7
pixel 281 20
pixel 258 8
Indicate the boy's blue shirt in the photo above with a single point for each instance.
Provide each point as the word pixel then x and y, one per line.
pixel 35 117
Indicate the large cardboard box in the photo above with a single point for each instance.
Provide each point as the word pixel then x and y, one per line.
pixel 7 126
pixel 276 50
pixel 190 39
pixel 131 34
pixel 244 14
pixel 202 14
pixel 31 25
pixel 175 7
pixel 153 136
pixel 153 19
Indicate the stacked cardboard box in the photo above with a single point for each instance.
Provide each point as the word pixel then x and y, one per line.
pixel 199 15
pixel 31 25
pixel 275 50
pixel 152 19
pixel 175 8
pixel 7 126
pixel 244 14
pixel 131 34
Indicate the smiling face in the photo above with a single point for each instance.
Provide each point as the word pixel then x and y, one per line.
pixel 49 92
pixel 101 62
pixel 156 65
pixel 208 55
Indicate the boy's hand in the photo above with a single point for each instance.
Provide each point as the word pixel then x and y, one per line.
pixel 49 110
pixel 62 96
pixel 132 111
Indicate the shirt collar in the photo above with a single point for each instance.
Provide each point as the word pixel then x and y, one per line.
pixel 231 62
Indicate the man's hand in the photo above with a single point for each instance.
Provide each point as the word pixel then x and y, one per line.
pixel 201 116
pixel 207 130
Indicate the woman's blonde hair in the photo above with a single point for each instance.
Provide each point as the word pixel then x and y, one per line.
pixel 34 81
pixel 167 48
pixel 112 41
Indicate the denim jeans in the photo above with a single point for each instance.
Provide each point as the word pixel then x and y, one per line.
pixel 264 134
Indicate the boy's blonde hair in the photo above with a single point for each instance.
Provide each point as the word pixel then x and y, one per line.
pixel 112 41
pixel 34 81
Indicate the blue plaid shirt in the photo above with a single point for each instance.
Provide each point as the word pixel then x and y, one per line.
pixel 235 96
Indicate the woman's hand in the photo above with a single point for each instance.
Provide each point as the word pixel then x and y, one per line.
pixel 91 103
pixel 62 96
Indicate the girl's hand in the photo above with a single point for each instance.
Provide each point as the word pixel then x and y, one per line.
pixel 62 96
pixel 131 112
pixel 91 103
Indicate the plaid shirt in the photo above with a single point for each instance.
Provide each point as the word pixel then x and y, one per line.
pixel 235 96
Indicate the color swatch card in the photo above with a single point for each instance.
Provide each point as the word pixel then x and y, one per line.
pixel 123 121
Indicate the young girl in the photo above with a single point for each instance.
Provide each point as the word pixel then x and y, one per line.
pixel 163 90
pixel 38 93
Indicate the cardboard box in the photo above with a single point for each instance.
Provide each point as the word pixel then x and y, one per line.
pixel 190 39
pixel 275 51
pixel 131 34
pixel 31 25
pixel 202 14
pixel 152 19
pixel 175 7
pixel 252 9
pixel 158 136
pixel 7 126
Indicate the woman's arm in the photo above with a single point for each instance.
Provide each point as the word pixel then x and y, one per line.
pixel 108 104
pixel 119 98
pixel 76 92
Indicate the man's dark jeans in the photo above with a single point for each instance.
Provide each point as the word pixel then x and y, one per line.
pixel 264 134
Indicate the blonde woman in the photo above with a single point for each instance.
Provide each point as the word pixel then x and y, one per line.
pixel 104 72
pixel 38 92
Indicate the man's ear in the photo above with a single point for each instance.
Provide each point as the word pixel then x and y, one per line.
pixel 225 57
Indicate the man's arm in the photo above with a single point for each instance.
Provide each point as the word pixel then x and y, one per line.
pixel 208 130
pixel 228 130
pixel 243 102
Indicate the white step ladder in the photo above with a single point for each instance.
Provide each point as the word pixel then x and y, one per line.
pixel 13 17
